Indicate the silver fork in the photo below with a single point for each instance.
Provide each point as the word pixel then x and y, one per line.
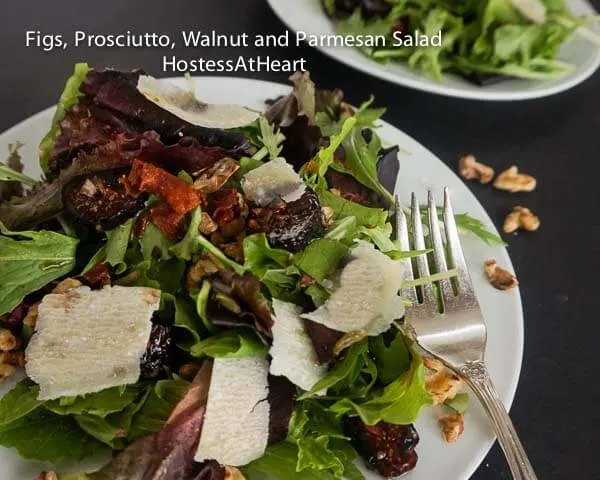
pixel 458 335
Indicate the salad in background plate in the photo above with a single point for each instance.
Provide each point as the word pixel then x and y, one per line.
pixel 209 292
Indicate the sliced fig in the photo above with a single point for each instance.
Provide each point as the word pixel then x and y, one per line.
pixel 295 224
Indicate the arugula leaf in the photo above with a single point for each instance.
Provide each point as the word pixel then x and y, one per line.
pixel 19 402
pixel 466 222
pixel 320 258
pixel 399 402
pixel 27 265
pixel 342 368
pixel 365 216
pixel 259 256
pixel 117 243
pixel 381 236
pixel 270 138
pixel 361 161
pixel 99 404
pixel 7 174
pixel 325 155
pixel 68 98
pixel 229 344
pixel 48 437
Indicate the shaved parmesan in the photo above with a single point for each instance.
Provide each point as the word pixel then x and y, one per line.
pixel 86 341
pixel 366 294
pixel 236 424
pixel 273 180
pixel 184 104
pixel 293 354
pixel 533 10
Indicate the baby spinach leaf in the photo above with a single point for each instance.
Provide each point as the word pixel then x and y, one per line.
pixel 19 402
pixel 29 260
pixel 45 436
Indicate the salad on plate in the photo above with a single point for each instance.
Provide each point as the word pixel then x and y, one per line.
pixel 206 292
pixel 483 41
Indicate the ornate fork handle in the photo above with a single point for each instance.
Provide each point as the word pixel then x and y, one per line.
pixel 476 375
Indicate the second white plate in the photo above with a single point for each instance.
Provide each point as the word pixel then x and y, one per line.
pixel 308 16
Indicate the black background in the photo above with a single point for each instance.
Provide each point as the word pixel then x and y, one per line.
pixel 556 139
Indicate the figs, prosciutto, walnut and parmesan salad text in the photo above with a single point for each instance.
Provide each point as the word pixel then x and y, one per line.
pixel 207 291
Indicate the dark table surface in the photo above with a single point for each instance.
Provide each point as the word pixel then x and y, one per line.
pixel 556 139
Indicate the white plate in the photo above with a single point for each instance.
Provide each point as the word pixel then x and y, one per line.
pixel 419 170
pixel 308 16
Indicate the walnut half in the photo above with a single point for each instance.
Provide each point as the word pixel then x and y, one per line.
pixel 471 169
pixel 442 384
pixel 452 426
pixel 498 277
pixel 521 217
pixel 513 181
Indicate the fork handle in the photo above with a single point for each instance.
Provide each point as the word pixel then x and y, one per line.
pixel 477 377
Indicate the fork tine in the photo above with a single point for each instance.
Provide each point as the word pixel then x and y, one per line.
pixel 409 293
pixel 419 244
pixel 439 256
pixel 457 258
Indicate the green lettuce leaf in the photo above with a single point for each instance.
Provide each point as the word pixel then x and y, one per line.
pixel 68 98
pixel 45 436
pixel 392 360
pixel 459 403
pixel 117 243
pixel 259 256
pixel 399 402
pixel 325 156
pixel 230 343
pixel 27 264
pixel 154 245
pixel 320 258
pixel 364 216
pixel 189 245
pixel 157 407
pixel 19 402
pixel 279 461
pixel 99 404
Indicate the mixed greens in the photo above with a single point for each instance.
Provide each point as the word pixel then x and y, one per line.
pixel 481 40
pixel 241 230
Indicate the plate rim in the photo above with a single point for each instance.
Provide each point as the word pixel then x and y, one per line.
pixel 509 395
pixel 442 89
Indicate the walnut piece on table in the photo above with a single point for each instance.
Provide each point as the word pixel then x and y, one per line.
pixel 470 169
pixel 521 217
pixel 512 181
pixel 498 277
